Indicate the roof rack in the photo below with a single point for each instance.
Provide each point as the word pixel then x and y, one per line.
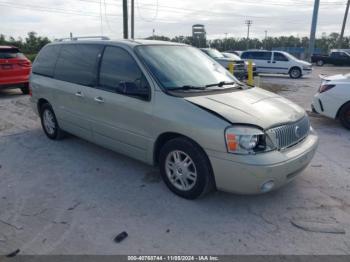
pixel 76 38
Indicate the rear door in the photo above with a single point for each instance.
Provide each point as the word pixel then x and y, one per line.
pixel 119 121
pixel 14 66
pixel 280 63
pixel 262 60
pixel 75 74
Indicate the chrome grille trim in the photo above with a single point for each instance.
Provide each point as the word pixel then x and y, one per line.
pixel 290 134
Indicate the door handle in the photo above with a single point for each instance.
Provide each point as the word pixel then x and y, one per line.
pixel 269 62
pixel 79 94
pixel 99 99
pixel 273 62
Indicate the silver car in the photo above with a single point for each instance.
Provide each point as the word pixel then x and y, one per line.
pixel 169 104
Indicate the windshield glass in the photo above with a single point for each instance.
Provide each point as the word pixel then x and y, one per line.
pixel 233 56
pixel 177 66
pixel 214 53
pixel 290 56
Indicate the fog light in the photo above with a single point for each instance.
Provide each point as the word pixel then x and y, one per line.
pixel 267 186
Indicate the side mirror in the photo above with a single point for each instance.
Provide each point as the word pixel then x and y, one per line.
pixel 136 89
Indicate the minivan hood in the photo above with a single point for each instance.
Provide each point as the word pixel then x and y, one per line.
pixel 254 106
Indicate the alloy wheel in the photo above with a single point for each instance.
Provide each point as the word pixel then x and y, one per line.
pixel 181 170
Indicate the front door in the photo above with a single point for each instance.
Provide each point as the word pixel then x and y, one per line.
pixel 120 120
pixel 279 63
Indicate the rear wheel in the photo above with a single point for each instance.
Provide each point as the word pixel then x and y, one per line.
pixel 320 63
pixel 295 73
pixel 25 90
pixel 344 115
pixel 185 168
pixel 49 123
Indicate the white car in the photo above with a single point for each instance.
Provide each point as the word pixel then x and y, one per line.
pixel 333 98
pixel 278 62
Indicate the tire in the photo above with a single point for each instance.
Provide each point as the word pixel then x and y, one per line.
pixel 49 123
pixel 319 62
pixel 189 178
pixel 25 90
pixel 344 115
pixel 295 73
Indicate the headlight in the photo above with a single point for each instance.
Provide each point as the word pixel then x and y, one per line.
pixel 247 140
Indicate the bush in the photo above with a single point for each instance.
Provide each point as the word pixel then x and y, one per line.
pixel 31 57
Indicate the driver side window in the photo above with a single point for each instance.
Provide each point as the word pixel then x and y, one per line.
pixel 120 73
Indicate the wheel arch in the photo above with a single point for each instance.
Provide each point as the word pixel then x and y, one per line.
pixel 341 107
pixel 163 138
pixel 40 103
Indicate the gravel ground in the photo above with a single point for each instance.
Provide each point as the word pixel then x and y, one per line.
pixel 73 197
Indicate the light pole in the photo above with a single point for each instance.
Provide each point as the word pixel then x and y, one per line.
pixel 313 29
pixel 248 23
pixel 340 42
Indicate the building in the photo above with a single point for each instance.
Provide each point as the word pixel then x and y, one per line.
pixel 199 35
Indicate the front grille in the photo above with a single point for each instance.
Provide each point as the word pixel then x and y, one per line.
pixel 290 134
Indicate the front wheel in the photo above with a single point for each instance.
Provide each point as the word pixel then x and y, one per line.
pixel 49 123
pixel 185 168
pixel 295 73
pixel 320 63
pixel 344 115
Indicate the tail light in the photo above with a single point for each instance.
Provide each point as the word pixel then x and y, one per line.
pixel 324 88
pixel 24 63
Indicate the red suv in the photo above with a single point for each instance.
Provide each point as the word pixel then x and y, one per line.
pixel 14 69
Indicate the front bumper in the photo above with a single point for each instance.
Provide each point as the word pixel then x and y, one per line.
pixel 247 174
pixel 307 71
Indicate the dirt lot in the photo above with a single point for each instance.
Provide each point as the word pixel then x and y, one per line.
pixel 73 197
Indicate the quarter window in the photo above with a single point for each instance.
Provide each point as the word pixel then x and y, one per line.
pixel 45 62
pixel 77 64
pixel 119 71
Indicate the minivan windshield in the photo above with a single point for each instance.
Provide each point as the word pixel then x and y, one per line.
pixel 177 66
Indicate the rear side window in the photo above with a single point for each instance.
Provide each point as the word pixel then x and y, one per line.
pixel 46 60
pixel 280 57
pixel 257 55
pixel 118 68
pixel 77 64
pixel 8 53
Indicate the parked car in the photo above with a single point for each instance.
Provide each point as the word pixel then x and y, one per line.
pixel 14 69
pixel 239 66
pixel 237 58
pixel 277 62
pixel 333 98
pixel 336 57
pixel 235 52
pixel 169 104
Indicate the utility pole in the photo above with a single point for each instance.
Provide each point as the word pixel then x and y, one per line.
pixel 265 44
pixel 153 33
pixel 225 41
pixel 248 23
pixel 340 42
pixel 313 29
pixel 132 19
pixel 125 19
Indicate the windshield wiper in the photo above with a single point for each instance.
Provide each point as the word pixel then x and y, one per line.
pixel 188 87
pixel 221 84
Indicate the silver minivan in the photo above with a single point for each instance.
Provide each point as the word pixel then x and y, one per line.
pixel 169 104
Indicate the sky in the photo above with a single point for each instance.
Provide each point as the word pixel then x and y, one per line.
pixel 57 18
